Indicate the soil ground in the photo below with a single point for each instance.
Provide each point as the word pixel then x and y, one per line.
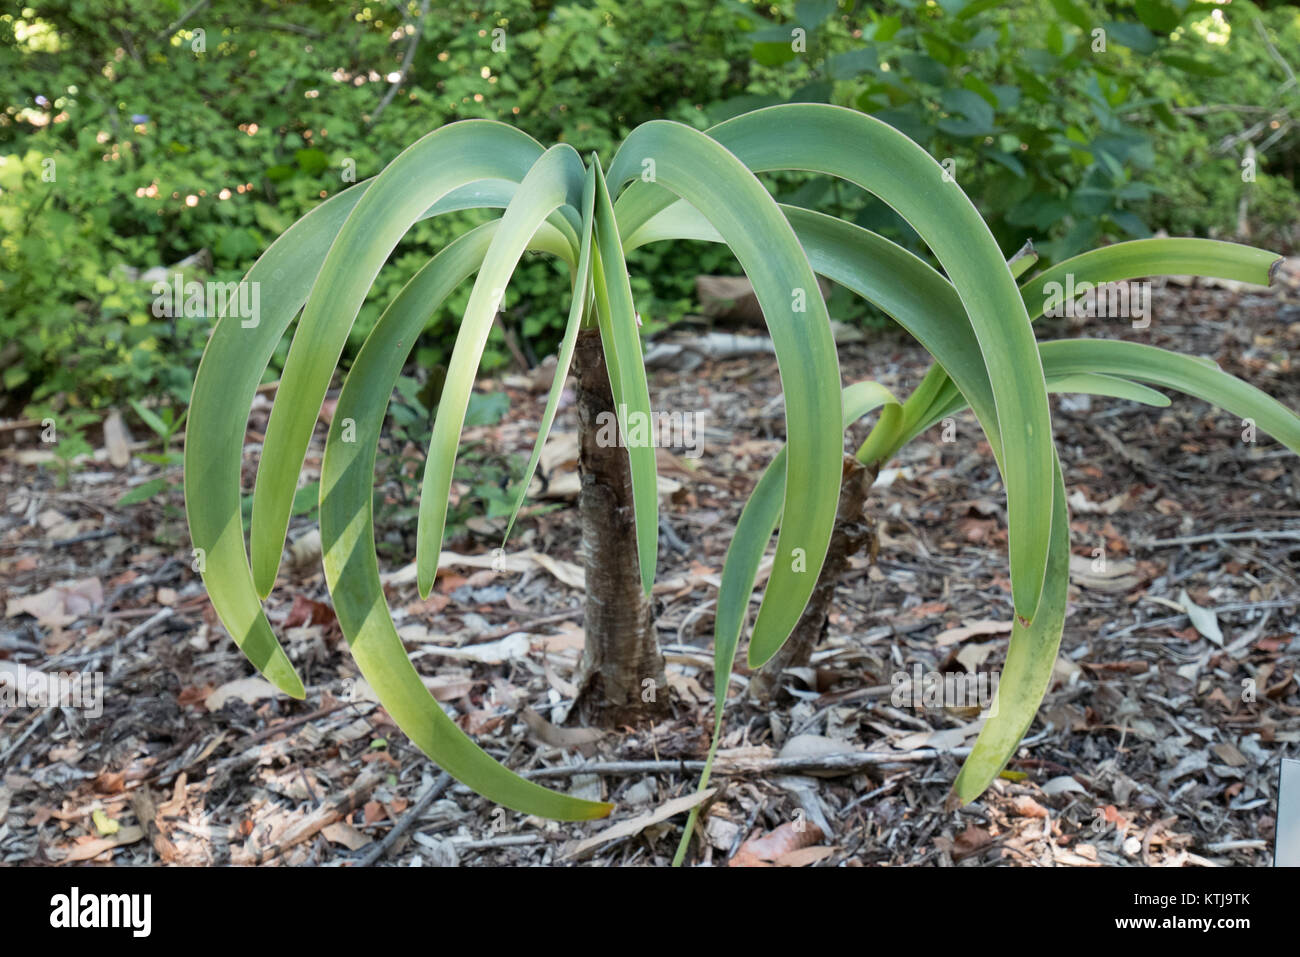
pixel 1155 745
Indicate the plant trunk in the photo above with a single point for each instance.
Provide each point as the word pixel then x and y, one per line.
pixel 853 532
pixel 622 679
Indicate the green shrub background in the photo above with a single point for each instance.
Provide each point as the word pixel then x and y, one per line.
pixel 147 121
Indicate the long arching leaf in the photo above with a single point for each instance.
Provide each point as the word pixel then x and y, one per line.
pixel 232 365
pixel 1198 378
pixel 758 520
pixel 621 340
pixel 581 283
pixel 702 172
pixel 348 546
pixel 1027 672
pixel 1154 257
pixel 440 163
pixel 858 148
pixel 554 181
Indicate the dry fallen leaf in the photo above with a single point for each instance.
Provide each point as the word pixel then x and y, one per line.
pixel 1112 576
pixel 248 690
pixel 500 562
pixel 771 847
pixel 1079 503
pixel 1025 806
pixel 86 850
pixel 117 440
pixel 442 687
pixel 511 647
pixel 1229 755
pixel 805 856
pixel 567 572
pixel 1203 620
pixel 59 604
pixel 374 811
pixel 970 841
pixel 110 782
pixel 343 833
pixel 638 824
pixel 557 737
pixel 954 635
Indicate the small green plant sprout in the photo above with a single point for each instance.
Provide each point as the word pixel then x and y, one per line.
pixel 165 425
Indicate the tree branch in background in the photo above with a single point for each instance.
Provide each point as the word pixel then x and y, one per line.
pixel 406 64
pixel 182 21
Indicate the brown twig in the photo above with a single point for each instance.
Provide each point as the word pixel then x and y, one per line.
pixel 434 791
pixel 847 762
pixel 324 816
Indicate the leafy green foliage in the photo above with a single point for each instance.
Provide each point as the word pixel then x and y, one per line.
pixel 1057 116
pixel 164 424
pixel 281 106
pixel 163 142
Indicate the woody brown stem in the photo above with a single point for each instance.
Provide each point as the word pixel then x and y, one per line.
pixel 852 533
pixel 622 679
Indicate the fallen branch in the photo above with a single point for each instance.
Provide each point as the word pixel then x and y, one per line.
pixel 1283 535
pixel 289 725
pixel 144 627
pixel 406 65
pixel 846 762
pixel 322 817
pixel 431 794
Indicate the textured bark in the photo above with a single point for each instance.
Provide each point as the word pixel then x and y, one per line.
pixel 622 650
pixel 853 532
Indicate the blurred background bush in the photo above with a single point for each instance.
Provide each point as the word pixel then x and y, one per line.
pixel 135 136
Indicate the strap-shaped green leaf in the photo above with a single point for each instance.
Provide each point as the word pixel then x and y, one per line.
pixel 347 536
pixel 233 362
pixel 621 340
pixel 446 160
pixel 879 270
pixel 1139 258
pixel 911 291
pixel 227 379
pixel 554 181
pixel 886 437
pixel 758 520
pixel 950 401
pixel 1154 257
pixel 885 274
pixel 1027 672
pixel 925 304
pixel 863 150
pixel 700 171
pixel 580 285
pixel 1195 377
